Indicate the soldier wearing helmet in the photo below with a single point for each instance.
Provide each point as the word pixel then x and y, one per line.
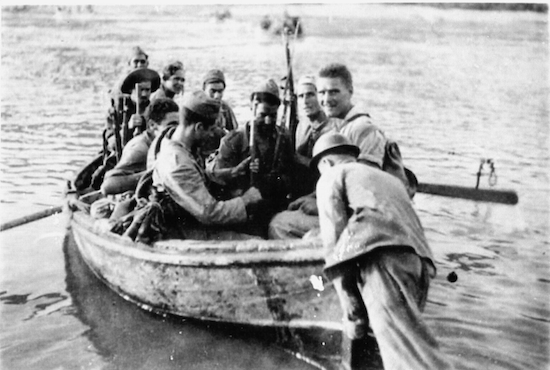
pixel 377 257
pixel 267 163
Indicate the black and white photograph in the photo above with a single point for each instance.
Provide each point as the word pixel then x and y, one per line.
pixel 274 185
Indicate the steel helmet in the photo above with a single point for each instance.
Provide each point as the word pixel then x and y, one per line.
pixel 330 142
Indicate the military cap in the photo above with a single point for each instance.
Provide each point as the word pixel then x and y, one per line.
pixel 213 76
pixel 267 87
pixel 140 75
pixel 307 80
pixel 137 51
pixel 330 142
pixel 200 103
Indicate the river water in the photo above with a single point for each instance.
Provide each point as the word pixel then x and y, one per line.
pixel 453 87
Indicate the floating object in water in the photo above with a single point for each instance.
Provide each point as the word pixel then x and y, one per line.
pixel 452 277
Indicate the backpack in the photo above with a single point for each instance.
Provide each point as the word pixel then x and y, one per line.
pixel 393 162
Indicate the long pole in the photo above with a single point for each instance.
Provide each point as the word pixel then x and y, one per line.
pixel 463 192
pixel 30 218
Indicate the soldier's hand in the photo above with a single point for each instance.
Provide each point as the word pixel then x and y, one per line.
pixel 135 121
pixel 309 207
pixel 252 196
pixel 241 168
pixel 255 165
pixel 296 204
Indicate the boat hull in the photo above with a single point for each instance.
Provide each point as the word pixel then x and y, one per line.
pixel 253 282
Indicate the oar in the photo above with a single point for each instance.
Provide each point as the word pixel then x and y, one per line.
pixel 30 218
pixel 455 191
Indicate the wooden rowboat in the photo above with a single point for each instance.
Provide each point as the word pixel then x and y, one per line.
pixel 259 282
pixel 272 284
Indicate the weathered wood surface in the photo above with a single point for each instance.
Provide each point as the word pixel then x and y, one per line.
pixel 257 282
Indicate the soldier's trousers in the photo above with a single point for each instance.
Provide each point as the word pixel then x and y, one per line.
pixel 388 288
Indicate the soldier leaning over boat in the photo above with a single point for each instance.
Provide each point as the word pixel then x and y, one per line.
pixel 377 257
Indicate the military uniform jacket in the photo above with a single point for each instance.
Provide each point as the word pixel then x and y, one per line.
pixel 357 126
pixel 362 209
pixel 274 173
pixel 178 173
pixel 134 156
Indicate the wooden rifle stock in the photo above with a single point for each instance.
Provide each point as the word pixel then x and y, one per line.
pixel 118 120
pixel 251 143
pixel 138 129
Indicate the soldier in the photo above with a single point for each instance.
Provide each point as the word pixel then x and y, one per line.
pixel 132 164
pixel 138 58
pixel 335 90
pixel 179 179
pixel 267 163
pixel 173 79
pixel 123 107
pixel 214 86
pixel 377 257
pixel 313 124
pixel 146 81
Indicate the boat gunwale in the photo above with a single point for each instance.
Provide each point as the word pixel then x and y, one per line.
pixel 205 252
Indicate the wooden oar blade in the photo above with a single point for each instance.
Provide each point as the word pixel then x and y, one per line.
pixel 485 195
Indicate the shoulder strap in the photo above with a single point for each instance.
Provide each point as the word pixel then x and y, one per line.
pixel 167 132
pixel 355 116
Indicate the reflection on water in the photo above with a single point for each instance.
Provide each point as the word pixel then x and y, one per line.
pixel 451 86
pixel 130 338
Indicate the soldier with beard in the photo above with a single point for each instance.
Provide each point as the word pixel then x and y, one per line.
pixel 267 164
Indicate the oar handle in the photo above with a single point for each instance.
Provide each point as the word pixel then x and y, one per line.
pixel 455 191
pixel 30 218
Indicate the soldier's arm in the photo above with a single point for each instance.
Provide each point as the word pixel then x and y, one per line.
pixel 226 163
pixel 333 217
pixel 187 188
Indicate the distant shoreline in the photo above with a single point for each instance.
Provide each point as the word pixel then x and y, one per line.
pixel 539 8
pixel 533 7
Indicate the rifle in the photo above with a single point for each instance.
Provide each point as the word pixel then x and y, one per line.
pixel 125 129
pixel 289 118
pixel 290 112
pixel 117 119
pixel 138 129
pixel 251 144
